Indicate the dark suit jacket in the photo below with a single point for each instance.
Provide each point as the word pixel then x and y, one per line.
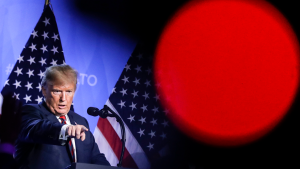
pixel 38 145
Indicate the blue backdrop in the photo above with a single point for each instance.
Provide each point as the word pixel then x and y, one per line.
pixel 97 49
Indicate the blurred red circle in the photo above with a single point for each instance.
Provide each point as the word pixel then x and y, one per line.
pixel 228 70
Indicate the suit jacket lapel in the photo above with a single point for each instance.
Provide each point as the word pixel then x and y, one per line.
pixel 70 115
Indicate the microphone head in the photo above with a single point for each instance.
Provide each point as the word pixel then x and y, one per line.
pixel 93 111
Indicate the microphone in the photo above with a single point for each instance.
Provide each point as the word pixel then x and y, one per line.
pixel 93 111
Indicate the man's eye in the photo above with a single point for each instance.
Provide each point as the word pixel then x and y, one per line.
pixel 69 92
pixel 56 92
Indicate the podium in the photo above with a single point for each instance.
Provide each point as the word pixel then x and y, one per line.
pixel 93 166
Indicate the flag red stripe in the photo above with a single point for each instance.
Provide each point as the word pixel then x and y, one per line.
pixel 115 143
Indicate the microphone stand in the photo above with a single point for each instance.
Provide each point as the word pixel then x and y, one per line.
pixel 105 114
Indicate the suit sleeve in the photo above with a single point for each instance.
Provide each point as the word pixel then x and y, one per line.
pixel 97 157
pixel 36 128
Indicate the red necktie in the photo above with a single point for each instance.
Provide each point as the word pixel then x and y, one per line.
pixel 63 121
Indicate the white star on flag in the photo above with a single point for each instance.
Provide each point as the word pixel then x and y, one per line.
pixel 46 21
pixel 30 73
pixel 144 108
pixel 34 34
pixel 141 132
pixel 134 93
pixel 54 50
pixel 146 95
pixel 143 120
pixel 152 134
pixel 123 91
pixel 122 104
pixel 44 48
pixel 133 106
pixel 53 62
pixel 131 118
pixel 127 67
pixel 20 59
pixel 125 79
pixel 18 71
pixel 155 109
pixel 42 61
pixel 136 81
pixel 31 60
pixel 41 74
pixel 39 99
pixel 147 83
pixel 138 69
pixel 45 35
pixel 150 146
pixel 29 86
pixel 32 47
pixel 27 98
pixel 55 37
pixel 154 121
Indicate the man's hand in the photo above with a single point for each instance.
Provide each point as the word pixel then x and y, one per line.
pixel 77 131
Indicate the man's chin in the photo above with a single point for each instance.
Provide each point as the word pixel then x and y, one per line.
pixel 61 112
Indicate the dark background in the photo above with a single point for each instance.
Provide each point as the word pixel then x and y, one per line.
pixel 145 20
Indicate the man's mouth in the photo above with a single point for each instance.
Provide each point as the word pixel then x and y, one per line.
pixel 61 106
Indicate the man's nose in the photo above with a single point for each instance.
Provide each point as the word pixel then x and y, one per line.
pixel 63 96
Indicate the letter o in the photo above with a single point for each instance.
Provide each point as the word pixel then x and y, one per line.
pixel 95 81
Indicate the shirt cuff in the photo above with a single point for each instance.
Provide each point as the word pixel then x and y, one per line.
pixel 63 135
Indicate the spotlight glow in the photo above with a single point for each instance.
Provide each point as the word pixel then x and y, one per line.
pixel 228 70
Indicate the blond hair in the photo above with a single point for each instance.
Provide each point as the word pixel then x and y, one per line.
pixel 60 74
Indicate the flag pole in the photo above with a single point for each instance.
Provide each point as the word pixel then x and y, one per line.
pixel 47 2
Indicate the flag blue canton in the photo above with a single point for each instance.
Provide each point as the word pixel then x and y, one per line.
pixel 43 49
pixel 137 102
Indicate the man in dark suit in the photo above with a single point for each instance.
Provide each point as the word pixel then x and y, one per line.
pixel 53 136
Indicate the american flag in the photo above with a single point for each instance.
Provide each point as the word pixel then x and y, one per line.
pixel 135 100
pixel 43 49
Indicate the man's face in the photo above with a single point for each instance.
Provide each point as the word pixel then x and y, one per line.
pixel 59 97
